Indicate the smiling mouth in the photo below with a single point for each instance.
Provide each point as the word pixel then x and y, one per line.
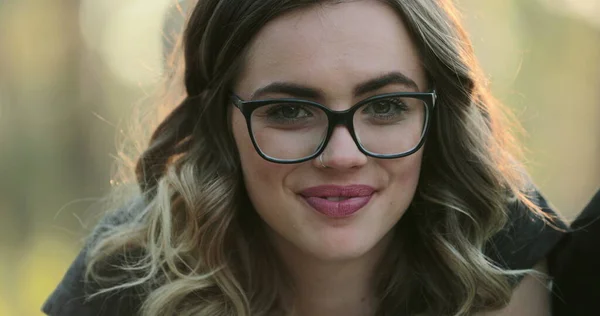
pixel 338 201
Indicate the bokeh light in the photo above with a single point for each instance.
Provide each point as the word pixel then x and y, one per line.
pixel 588 10
pixel 128 36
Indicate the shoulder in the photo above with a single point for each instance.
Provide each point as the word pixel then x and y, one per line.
pixel 72 295
pixel 531 297
pixel 527 242
pixel 573 267
pixel 528 237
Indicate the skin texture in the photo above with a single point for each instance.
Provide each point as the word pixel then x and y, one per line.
pixel 330 48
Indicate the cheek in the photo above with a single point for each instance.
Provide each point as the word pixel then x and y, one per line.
pixel 403 178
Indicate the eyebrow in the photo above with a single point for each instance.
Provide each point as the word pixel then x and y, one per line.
pixel 301 91
pixel 385 80
pixel 293 89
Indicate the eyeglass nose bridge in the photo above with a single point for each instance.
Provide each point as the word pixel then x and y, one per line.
pixel 340 118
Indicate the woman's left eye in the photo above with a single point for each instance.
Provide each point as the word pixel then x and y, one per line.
pixel 386 107
pixel 382 107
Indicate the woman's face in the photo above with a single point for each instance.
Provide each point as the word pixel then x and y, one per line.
pixel 328 51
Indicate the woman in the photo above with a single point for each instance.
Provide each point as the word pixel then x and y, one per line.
pixel 329 158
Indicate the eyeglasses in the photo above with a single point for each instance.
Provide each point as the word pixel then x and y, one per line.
pixel 290 130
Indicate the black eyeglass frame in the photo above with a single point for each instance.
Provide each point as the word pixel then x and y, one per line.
pixel 335 118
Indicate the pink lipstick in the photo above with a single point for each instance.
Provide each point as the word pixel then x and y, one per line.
pixel 338 201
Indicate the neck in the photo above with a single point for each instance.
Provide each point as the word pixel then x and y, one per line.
pixel 344 287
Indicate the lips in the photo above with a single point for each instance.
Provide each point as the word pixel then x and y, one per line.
pixel 338 201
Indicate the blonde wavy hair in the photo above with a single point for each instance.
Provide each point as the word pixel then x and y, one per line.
pixel 195 246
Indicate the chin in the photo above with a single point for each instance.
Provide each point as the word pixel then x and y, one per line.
pixel 343 247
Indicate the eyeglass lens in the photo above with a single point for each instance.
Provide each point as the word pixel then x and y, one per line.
pixel 296 130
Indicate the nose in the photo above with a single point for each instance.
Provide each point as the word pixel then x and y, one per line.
pixel 341 151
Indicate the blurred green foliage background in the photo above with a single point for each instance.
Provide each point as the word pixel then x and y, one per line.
pixel 72 71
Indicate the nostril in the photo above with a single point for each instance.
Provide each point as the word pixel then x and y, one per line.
pixel 342 152
pixel 342 159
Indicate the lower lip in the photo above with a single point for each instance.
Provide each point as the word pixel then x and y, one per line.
pixel 338 209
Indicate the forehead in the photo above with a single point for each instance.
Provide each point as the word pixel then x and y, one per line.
pixel 332 47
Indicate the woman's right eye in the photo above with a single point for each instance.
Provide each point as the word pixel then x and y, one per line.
pixel 287 111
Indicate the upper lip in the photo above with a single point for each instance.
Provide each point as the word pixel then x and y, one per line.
pixel 338 190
